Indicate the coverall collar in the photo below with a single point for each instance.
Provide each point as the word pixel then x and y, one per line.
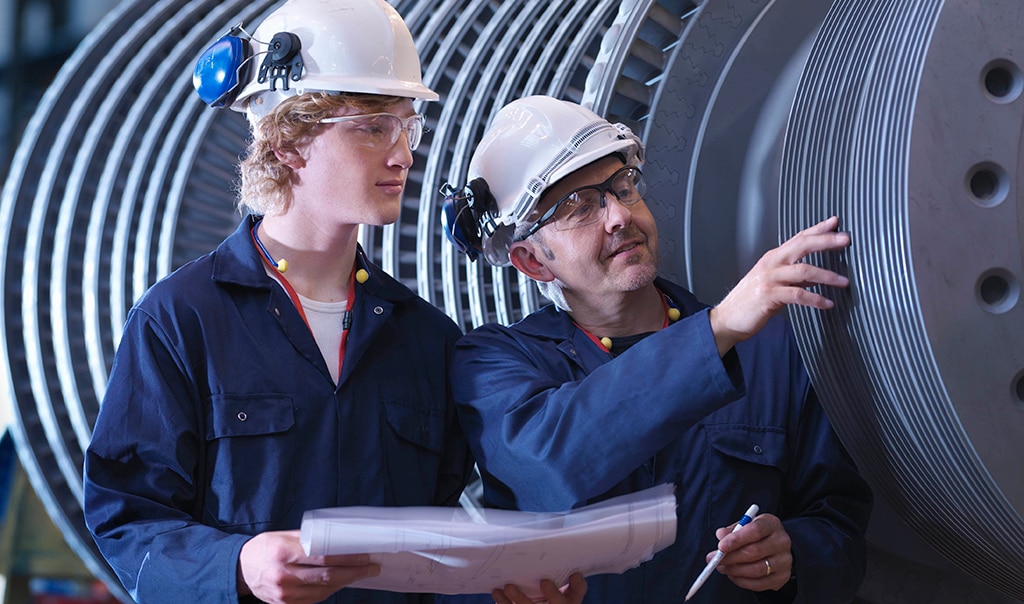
pixel 238 262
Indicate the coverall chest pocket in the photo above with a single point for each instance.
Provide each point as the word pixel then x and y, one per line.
pixel 413 451
pixel 419 427
pixel 747 464
pixel 250 452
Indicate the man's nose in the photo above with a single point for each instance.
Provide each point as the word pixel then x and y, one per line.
pixel 400 153
pixel 617 214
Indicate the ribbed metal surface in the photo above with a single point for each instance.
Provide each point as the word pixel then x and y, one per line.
pixel 714 137
pixel 86 228
pixel 907 124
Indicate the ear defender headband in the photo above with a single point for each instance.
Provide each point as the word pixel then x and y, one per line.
pixel 465 210
pixel 226 66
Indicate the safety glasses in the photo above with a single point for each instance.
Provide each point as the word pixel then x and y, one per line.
pixel 587 205
pixel 380 130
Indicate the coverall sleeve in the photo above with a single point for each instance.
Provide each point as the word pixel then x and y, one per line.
pixel 557 433
pixel 828 506
pixel 141 498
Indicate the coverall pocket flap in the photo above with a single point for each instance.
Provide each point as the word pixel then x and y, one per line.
pixel 250 415
pixel 763 445
pixel 417 426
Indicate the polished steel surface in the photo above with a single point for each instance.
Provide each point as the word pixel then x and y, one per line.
pixel 918 147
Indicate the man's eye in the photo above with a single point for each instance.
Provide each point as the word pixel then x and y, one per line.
pixel 580 211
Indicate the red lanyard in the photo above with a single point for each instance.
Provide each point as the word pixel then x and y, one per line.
pixel 346 319
pixel 605 343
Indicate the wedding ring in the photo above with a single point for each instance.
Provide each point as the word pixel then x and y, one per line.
pixel 767 567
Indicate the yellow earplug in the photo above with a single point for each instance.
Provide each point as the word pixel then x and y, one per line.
pixel 606 342
pixel 282 265
pixel 362 275
pixel 673 314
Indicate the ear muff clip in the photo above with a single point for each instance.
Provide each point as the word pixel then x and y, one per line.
pixel 223 69
pixel 283 60
pixel 463 212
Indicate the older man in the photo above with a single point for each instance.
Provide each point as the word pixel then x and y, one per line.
pixel 628 381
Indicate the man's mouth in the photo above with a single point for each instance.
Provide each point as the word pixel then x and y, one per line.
pixel 624 248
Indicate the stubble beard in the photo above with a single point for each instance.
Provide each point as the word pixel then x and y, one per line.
pixel 640 272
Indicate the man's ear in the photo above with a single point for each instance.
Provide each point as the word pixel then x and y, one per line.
pixel 529 259
pixel 290 158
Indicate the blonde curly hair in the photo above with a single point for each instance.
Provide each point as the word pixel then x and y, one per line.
pixel 265 187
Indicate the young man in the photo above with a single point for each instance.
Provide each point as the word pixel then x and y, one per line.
pixel 284 371
pixel 628 381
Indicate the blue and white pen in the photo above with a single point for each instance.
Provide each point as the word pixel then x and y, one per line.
pixel 704 574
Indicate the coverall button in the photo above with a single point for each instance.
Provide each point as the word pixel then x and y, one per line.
pixel 242 416
pixel 378 310
pixel 758 449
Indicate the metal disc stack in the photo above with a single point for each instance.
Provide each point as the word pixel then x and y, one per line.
pixel 907 124
pixel 104 196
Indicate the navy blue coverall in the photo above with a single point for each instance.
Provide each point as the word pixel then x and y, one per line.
pixel 221 421
pixel 555 423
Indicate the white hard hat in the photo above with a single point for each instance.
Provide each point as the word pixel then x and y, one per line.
pixel 360 46
pixel 532 143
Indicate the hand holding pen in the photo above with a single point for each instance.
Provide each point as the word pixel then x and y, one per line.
pixel 745 520
pixel 759 558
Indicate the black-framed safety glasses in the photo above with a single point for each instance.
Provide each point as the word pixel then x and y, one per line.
pixel 586 205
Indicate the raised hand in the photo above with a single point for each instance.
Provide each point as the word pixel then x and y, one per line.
pixel 779 277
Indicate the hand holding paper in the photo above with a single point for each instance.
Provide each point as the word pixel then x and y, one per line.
pixel 448 551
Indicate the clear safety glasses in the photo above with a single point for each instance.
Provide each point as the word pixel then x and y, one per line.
pixel 587 205
pixel 381 130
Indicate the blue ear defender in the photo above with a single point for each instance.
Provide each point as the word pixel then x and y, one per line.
pixel 462 213
pixel 223 69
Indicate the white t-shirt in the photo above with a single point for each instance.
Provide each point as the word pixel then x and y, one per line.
pixel 326 322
